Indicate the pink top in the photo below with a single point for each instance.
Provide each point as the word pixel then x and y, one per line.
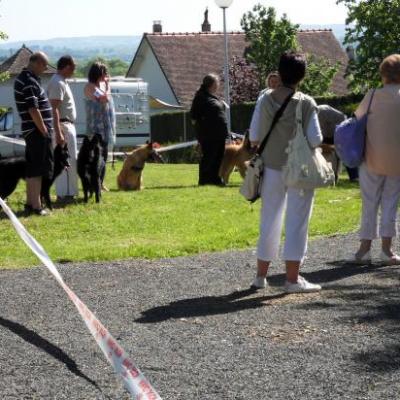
pixel 383 130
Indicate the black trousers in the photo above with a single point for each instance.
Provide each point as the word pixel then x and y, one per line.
pixel 211 158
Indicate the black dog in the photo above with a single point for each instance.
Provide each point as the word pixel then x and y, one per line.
pixel 12 170
pixel 91 166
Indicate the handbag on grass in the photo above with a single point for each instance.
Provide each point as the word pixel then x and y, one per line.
pixel 350 139
pixel 306 167
pixel 251 186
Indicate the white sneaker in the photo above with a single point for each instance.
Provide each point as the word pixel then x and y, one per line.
pixel 364 260
pixel 259 283
pixel 302 286
pixel 389 260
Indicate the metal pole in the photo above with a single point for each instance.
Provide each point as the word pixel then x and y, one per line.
pixel 226 74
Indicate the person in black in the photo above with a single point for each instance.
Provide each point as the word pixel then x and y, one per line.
pixel 209 115
pixel 36 116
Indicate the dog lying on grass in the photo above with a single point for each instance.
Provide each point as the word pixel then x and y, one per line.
pixel 12 170
pixel 130 177
pixel 91 165
pixel 236 156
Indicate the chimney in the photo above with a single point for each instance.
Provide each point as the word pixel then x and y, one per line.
pixel 157 27
pixel 206 27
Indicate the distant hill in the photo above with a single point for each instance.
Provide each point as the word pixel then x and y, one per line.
pixel 123 47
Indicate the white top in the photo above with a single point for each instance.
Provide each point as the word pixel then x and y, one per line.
pixel 312 132
pixel 58 89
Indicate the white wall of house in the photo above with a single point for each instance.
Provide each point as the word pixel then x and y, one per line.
pixel 146 66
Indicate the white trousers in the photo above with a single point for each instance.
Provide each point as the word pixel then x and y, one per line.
pixel 275 198
pixel 67 182
pixel 378 192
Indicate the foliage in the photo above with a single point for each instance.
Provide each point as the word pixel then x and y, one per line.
pixel 115 66
pixel 319 77
pixel 373 29
pixel 269 37
pixel 168 127
pixel 170 217
pixel 244 81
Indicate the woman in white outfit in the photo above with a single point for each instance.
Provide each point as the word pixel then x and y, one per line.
pixel 276 197
pixel 380 172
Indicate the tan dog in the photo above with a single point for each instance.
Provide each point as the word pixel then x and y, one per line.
pixel 130 177
pixel 236 155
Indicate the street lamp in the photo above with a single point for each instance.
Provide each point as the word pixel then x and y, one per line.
pixel 224 4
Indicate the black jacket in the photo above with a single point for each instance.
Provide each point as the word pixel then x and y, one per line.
pixel 210 116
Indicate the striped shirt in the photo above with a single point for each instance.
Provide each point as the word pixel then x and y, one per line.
pixel 29 94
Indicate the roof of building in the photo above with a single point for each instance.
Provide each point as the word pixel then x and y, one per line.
pixel 20 60
pixel 186 57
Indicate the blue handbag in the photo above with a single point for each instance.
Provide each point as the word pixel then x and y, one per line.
pixel 350 138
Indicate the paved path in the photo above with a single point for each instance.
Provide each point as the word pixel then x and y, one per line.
pixel 197 333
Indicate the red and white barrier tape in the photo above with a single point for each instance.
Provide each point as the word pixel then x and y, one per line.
pixel 133 379
pixel 7 139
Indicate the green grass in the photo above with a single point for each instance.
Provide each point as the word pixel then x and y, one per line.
pixel 170 217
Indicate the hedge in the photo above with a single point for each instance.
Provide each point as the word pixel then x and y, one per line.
pixel 169 127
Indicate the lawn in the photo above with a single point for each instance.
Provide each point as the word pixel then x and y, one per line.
pixel 170 217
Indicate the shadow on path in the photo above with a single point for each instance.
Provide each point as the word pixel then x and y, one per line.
pixel 41 343
pixel 205 306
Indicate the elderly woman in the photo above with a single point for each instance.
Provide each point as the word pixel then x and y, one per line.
pixel 380 172
pixel 275 195
pixel 100 112
pixel 209 115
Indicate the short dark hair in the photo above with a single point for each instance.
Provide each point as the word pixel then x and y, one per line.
pixel 65 61
pixel 96 71
pixel 292 67
pixel 209 80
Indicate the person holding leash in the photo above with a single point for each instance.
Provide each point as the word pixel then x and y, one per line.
pixel 209 115
pixel 64 116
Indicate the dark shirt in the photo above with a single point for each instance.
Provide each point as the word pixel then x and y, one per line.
pixel 28 93
pixel 210 115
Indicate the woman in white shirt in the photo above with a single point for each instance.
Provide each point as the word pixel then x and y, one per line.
pixel 275 195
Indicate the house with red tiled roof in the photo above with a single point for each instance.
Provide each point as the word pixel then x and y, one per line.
pixel 14 65
pixel 174 64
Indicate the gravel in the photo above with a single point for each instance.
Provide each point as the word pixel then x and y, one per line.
pixel 197 332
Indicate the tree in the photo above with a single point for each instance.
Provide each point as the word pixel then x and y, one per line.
pixel 268 37
pixel 244 81
pixel 373 29
pixel 116 67
pixel 319 76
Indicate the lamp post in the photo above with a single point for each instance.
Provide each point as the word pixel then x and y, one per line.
pixel 224 4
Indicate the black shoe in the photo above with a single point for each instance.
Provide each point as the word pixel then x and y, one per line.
pixel 28 208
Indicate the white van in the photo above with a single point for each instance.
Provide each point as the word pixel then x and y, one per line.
pixel 131 105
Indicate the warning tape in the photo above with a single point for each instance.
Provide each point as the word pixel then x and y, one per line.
pixel 12 140
pixel 134 380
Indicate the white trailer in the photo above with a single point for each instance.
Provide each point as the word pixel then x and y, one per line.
pixel 131 105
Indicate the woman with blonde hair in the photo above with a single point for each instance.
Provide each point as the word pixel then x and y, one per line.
pixel 380 172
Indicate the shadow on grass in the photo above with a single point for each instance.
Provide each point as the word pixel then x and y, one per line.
pixel 41 343
pixel 206 306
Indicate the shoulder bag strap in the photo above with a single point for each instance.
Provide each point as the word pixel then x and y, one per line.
pixel 277 117
pixel 370 101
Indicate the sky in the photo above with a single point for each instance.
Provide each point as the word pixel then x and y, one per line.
pixel 46 19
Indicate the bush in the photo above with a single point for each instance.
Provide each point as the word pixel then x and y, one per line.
pixel 167 128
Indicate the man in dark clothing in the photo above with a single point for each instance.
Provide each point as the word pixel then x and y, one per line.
pixel 209 114
pixel 35 112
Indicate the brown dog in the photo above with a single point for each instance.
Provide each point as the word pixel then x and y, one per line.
pixel 130 177
pixel 236 155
